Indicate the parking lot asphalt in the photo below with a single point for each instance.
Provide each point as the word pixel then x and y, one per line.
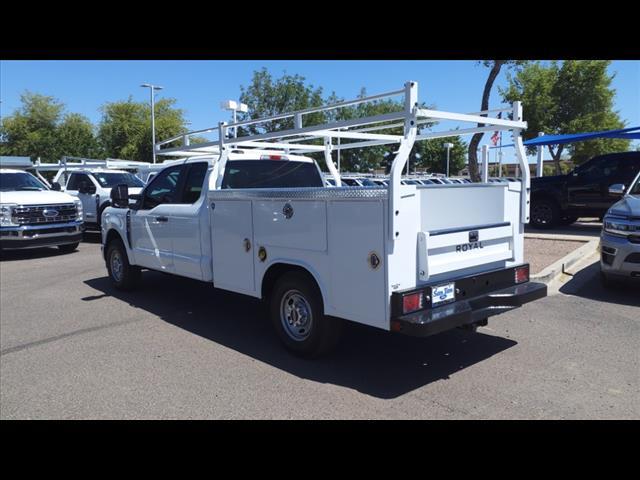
pixel 71 346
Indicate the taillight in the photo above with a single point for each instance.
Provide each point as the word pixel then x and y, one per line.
pixel 412 302
pixel 522 274
pixel 273 157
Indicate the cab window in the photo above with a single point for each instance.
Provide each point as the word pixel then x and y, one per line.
pixel 163 188
pixel 194 182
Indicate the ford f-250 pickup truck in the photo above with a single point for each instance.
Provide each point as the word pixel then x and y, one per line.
pixel 32 215
pixel 584 192
pixel 251 215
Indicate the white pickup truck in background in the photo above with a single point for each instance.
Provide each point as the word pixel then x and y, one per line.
pixel 32 215
pixel 253 215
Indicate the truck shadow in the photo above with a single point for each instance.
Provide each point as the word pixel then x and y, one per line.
pixel 586 283
pixel 368 360
pixel 31 253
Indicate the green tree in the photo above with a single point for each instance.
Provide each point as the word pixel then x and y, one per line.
pixel 31 130
pixel 495 67
pixel 569 97
pixel 125 128
pixel 267 97
pixel 75 137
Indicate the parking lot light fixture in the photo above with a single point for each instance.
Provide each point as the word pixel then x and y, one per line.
pixel 152 88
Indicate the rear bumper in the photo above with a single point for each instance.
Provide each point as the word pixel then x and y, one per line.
pixel 464 312
pixel 34 236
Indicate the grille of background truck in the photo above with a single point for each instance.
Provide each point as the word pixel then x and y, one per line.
pixel 33 214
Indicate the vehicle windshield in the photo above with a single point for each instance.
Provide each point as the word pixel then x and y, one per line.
pixel 20 181
pixel 271 174
pixel 111 179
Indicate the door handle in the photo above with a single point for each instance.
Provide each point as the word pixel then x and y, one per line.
pixel 162 219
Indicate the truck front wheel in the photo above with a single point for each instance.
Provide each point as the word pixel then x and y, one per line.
pixel 123 275
pixel 297 314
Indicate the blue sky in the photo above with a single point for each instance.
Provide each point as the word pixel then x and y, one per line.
pixel 199 86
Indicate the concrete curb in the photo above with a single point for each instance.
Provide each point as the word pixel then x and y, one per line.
pixel 553 271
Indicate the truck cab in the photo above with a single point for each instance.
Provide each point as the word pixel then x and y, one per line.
pixel 32 215
pixel 92 186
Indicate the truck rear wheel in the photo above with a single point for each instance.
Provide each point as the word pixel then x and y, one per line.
pixel 123 275
pixel 544 213
pixel 297 314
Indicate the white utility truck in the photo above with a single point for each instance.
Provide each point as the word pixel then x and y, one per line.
pixel 91 181
pixel 31 214
pixel 251 214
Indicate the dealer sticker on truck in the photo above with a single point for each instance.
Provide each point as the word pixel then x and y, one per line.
pixel 443 294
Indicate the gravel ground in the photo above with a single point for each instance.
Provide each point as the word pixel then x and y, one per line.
pixel 540 253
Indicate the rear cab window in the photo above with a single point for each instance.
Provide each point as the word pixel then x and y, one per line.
pixel 271 174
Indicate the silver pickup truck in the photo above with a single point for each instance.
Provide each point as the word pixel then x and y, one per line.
pixel 620 238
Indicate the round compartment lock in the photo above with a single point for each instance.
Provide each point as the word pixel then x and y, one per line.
pixel 287 211
pixel 374 260
pixel 262 254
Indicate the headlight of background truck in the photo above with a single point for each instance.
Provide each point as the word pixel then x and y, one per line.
pixel 6 210
pixel 79 209
pixel 619 227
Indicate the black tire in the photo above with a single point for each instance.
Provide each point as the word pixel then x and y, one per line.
pixel 122 274
pixel 68 248
pixel 99 219
pixel 544 214
pixel 304 330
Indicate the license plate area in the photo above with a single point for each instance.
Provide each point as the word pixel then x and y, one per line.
pixel 443 294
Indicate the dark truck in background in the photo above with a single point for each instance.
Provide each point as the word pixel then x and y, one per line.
pixel 584 192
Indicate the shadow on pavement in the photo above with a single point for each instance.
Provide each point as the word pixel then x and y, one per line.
pixel 369 360
pixel 31 253
pixel 586 283
pixel 90 236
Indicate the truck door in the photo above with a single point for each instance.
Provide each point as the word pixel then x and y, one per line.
pixel 185 224
pixel 87 197
pixel 151 230
pixel 233 249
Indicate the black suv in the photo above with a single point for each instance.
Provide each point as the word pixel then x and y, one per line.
pixel 584 192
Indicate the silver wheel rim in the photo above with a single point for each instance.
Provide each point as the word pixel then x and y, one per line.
pixel 116 265
pixel 295 315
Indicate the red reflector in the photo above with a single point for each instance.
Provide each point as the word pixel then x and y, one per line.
pixel 522 274
pixel 412 302
pixel 273 157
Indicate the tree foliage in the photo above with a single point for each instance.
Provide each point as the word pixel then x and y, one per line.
pixel 125 127
pixel 569 97
pixel 42 128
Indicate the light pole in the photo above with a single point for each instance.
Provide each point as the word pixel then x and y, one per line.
pixel 152 89
pixel 234 107
pixel 448 146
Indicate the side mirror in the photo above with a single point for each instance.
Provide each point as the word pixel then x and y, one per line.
pixel 616 189
pixel 120 196
pixel 55 186
pixel 134 200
